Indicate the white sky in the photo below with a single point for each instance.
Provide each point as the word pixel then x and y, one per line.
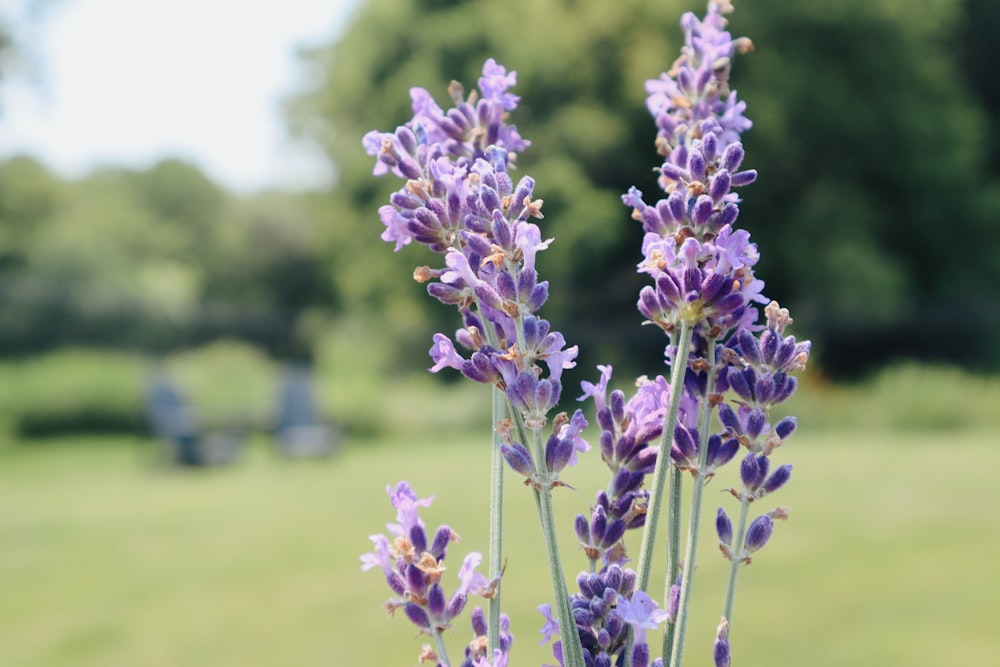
pixel 126 82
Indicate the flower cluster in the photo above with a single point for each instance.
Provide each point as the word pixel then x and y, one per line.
pixel 460 200
pixel 727 371
pixel 605 608
pixel 413 566
pixel 700 266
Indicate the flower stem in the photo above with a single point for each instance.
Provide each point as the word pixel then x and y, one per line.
pixel 572 650
pixel 736 562
pixel 694 520
pixel 673 550
pixel 496 522
pixel 441 649
pixel 663 460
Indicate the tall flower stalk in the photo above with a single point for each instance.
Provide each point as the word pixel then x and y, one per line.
pixel 726 370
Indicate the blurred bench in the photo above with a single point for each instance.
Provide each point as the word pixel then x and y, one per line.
pixel 173 421
pixel 299 430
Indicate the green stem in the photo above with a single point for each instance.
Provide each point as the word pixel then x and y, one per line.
pixel 572 650
pixel 496 522
pixel 663 460
pixel 442 650
pixel 673 550
pixel 736 562
pixel 694 520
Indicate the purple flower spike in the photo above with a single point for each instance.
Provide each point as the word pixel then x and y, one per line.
pixel 759 533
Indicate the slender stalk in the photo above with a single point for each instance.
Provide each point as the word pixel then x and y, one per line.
pixel 441 649
pixel 663 460
pixel 572 651
pixel 673 550
pixel 496 522
pixel 736 562
pixel 694 520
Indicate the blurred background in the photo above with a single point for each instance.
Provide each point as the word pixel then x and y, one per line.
pixel 191 274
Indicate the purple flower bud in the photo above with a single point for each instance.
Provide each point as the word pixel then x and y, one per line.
pixel 416 614
pixel 786 427
pixel 674 173
pixel 764 389
pixel 675 203
pixel 628 583
pixel 418 537
pixel 436 602
pixel 614 532
pixel 729 419
pixel 719 185
pixel 597 606
pixel 684 450
pixel 674 600
pixel 506 287
pixel 721 452
pixel 778 479
pixel 750 472
pixel 518 457
pixel 759 533
pixel 710 146
pixel 440 544
pixel 702 210
pixel 749 347
pixel 787 386
pixel 598 524
pixel 455 605
pixel 614 625
pixel 640 655
pixel 617 403
pixel 769 342
pixel 756 421
pixel 720 652
pixel 558 452
pixel 583 617
pixel 396 583
pixel 742 178
pixel 732 158
pixel 728 215
pixel 582 528
pixel 479 625
pixel 415 581
pixel 603 639
pixel 696 165
pixel 607 442
pixel 739 381
pixel 625 481
pixel 614 578
pixel 724 528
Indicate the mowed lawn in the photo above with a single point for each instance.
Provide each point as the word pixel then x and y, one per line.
pixel 108 559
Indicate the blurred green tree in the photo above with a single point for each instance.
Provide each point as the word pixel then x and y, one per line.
pixel 872 206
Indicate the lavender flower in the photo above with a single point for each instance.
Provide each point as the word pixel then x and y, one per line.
pixel 601 620
pixel 413 568
pixel 460 201
pixel 477 652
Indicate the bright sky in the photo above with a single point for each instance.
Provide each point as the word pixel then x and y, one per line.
pixel 126 82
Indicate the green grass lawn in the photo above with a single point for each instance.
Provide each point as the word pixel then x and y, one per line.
pixel 107 559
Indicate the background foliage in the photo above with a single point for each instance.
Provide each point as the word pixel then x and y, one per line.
pixel 876 138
